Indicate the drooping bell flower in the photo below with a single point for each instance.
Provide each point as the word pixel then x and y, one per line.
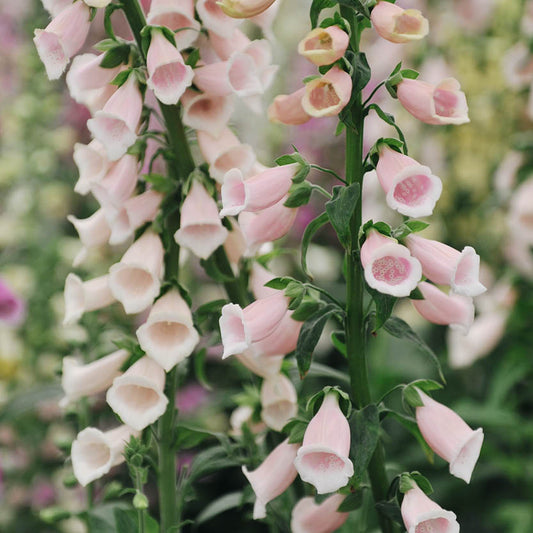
pixel 262 365
pixel 214 19
pixel 420 513
pixel 54 7
pixel 411 188
pixel 224 47
pixel 445 265
pixel 115 126
pixel 168 75
pixel 328 95
pixel 95 452
pixel 62 38
pixel 135 280
pixel 310 517
pixel 389 267
pixel 79 380
pixel 12 308
pixel 323 458
pixel 93 232
pixel 244 415
pixel 138 395
pixel 205 112
pixel 449 436
pixel 279 401
pixel 83 296
pixel 259 277
pixel 258 192
pixel 239 327
pixel 92 163
pixel 443 103
pixel 201 230
pixel 282 340
pixel 273 476
pixel 168 335
pixel 324 46
pixel 454 310
pixel 287 109
pixel 398 25
pixel 243 9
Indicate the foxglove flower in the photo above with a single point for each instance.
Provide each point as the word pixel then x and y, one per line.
pixel 261 365
pixel 520 219
pixel 449 436
pixel 324 46
pixel 323 458
pixel 278 401
pixel 287 109
pixel 282 340
pixel 328 95
pixel 310 517
pixel 245 8
pixel 12 308
pixel 259 277
pixel 92 163
pixel 398 25
pixel 93 232
pixel 214 19
pixel 205 112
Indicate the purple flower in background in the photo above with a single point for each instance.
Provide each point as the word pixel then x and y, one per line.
pixel 191 398
pixel 12 308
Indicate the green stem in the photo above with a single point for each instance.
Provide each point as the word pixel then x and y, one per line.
pixel 141 513
pixel 236 288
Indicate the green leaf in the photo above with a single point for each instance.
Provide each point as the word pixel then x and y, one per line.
pixel 422 482
pixel 160 183
pixel 126 521
pixel 361 72
pixel 352 502
pixel 338 339
pixel 121 78
pixel 193 58
pixel 219 506
pixel 409 73
pixel 108 25
pixel 213 271
pixel 400 329
pixel 364 426
pixel 391 510
pixel 305 310
pixel 309 336
pixel 307 79
pixel 340 210
pixel 188 437
pixel 115 56
pixel 310 230
pixel 279 283
pixel 316 8
pixel 416 294
pixel 295 429
pixel 411 397
pixel 384 306
pixel 389 119
pixel 101 519
pixel 299 195
pixel 199 368
pixel 211 460
pixel 416 225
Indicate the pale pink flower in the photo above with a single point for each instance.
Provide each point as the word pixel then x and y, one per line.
pixel 398 25
pixel 520 218
pixel 323 458
pixel 214 19
pixel 324 46
pixel 421 514
pixel 265 20
pixel 449 436
pixel 411 188
pixel 12 308
pixel 205 112
pixel 279 401
pixel 282 340
pixel 287 109
pixel 474 15
pixel 62 38
pixel 245 8
pixel 517 66
pixel 201 230
pixel 115 126
pixel 244 415
pixel 389 267
pixel 259 277
pixel 93 232
pixel 310 517
pixel 54 7
pixel 443 103
pixel 328 95
pixel 445 265
pixel 273 476
pixel 261 365
pixel 92 163
pixel 224 47
pixel 235 245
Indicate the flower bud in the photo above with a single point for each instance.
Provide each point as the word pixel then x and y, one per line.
pixel 287 109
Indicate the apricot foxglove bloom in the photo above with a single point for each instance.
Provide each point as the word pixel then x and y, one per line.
pixel 92 163
pixel 323 458
pixel 205 112
pixel 214 19
pixel 93 232
pixel 449 436
pixel 328 95
pixel 279 401
pixel 398 25
pixel 244 8
pixel 261 365
pixel 445 265
pixel 443 103
pixel 310 517
pixel 138 395
pixel 389 267
pixel 287 109
pixel 273 476
pixel 12 308
pixel 324 46
pixel 411 188
pixel 420 513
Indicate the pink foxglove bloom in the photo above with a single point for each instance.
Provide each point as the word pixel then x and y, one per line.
pixel 258 192
pixel 443 103
pixel 449 436
pixel 115 126
pixel 311 517
pixel 206 113
pixel 241 327
pixel 201 230
pixel 168 335
pixel 214 19
pixel 324 46
pixel 224 47
pixel 83 296
pixel 273 476
pixel 62 38
pixel 259 277
pixel 54 7
pixel 282 340
pixel 268 225
pixel 93 164
pixel 243 9
pixel 235 245
pixel 389 267
pixel 445 265
pixel 279 401
pixel 135 281
pixel 95 452
pixel 328 95
pixel 93 232
pixel 398 25
pixel 261 365
pixel 420 514
pixel 138 395
pixel 323 458
pixel 244 415
pixel 12 308
pixel 79 380
pixel 520 219
pixel 287 109
pixel 176 15
pixel 225 152
pixel 454 310
pixel 411 188
pixel 168 75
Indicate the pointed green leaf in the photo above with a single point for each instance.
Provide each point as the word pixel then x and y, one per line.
pixel 310 230
pixel 340 210
pixel 364 426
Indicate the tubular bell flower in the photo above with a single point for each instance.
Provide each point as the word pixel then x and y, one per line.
pixel 443 103
pixel 323 458
pixel 287 109
pixel 92 163
pixel 243 9
pixel 278 401
pixel 389 267
pixel 323 46
pixel 282 340
pixel 310 517
pixel 420 513
pixel 449 436
pixel 93 232
pixel 328 95
pixel 411 188
pixel 273 476
pixel 398 25
pixel 214 19
pixel 445 265
pixel 205 112
pixel 261 365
